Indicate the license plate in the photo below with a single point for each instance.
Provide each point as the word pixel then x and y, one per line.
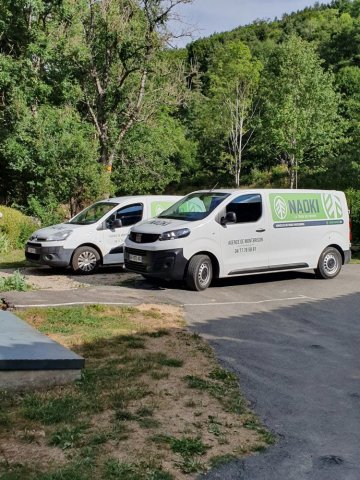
pixel 31 250
pixel 135 258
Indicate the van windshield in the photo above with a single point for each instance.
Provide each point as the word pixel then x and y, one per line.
pixel 93 213
pixel 195 206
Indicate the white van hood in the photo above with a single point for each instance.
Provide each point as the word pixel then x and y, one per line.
pixel 44 233
pixel 160 225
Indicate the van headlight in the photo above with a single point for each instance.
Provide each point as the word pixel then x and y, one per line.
pixel 58 236
pixel 174 234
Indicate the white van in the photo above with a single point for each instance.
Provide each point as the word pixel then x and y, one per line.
pixel 225 233
pixel 96 235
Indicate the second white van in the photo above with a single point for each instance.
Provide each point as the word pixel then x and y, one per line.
pixel 96 235
pixel 226 233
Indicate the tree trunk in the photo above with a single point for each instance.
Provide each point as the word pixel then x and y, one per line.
pixel 292 171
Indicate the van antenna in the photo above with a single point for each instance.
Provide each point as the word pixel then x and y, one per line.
pixel 216 184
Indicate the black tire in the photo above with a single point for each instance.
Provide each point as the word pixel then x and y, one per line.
pixel 85 261
pixel 199 273
pixel 330 263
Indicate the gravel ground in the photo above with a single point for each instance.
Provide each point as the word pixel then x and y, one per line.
pixel 46 278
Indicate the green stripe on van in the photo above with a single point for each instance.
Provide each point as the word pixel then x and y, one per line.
pixel 290 207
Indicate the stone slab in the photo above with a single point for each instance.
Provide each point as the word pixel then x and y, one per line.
pixel 28 379
pixel 24 348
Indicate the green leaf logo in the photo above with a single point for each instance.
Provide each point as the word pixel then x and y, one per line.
pixel 332 205
pixel 280 207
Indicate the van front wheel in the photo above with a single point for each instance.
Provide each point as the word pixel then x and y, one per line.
pixel 85 261
pixel 199 273
pixel 330 263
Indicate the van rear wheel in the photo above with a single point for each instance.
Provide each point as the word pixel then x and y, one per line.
pixel 85 261
pixel 330 263
pixel 199 273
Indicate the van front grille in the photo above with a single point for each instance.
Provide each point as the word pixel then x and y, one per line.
pixel 135 266
pixel 143 237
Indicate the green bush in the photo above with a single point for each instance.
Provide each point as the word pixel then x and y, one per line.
pixel 353 198
pixel 49 212
pixel 16 226
pixel 4 243
pixel 15 282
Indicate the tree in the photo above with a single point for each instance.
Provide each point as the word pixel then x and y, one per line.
pixel 301 125
pixel 115 50
pixel 234 78
pixel 53 156
pixel 153 156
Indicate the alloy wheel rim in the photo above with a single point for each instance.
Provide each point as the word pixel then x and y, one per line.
pixel 87 261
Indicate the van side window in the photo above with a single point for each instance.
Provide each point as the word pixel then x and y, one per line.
pixel 247 208
pixel 129 215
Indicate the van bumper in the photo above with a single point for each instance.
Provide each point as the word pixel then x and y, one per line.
pixel 52 256
pixel 347 256
pixel 166 264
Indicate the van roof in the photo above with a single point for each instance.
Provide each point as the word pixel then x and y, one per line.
pixel 138 197
pixel 262 190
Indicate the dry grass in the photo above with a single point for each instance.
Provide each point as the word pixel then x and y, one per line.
pixel 153 403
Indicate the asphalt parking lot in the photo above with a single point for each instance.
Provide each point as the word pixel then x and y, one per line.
pixel 294 342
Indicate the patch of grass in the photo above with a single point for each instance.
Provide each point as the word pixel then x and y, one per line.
pixel 223 387
pixel 161 439
pixel 145 412
pixel 159 375
pixel 15 282
pixel 134 342
pixel 188 446
pixel 90 323
pixel 223 375
pixel 14 259
pixel 191 465
pixel 171 362
pixel 4 419
pixel 136 392
pixel 125 416
pixel 68 437
pixel 158 334
pixel 15 471
pixel 266 436
pixel 98 439
pixel 50 410
pixel 73 472
pixel 115 470
pixel 148 423
pixel 219 460
pixel 120 392
pixel 214 427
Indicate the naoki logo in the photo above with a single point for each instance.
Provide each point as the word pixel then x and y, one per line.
pixel 281 208
pixel 332 205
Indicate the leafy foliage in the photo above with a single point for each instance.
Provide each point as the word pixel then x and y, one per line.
pixel 15 227
pixel 15 282
pixel 86 89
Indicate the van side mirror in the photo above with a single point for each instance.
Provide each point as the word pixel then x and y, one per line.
pixel 229 218
pixel 116 224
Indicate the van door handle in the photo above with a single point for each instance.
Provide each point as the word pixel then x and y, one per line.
pixel 260 230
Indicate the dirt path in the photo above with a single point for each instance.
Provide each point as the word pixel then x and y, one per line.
pixel 45 278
